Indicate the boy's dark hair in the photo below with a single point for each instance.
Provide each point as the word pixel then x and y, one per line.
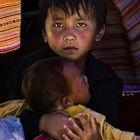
pixel 43 84
pixel 70 7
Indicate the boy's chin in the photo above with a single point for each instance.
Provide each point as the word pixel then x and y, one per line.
pixel 72 57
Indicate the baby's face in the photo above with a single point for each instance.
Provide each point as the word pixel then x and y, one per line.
pixel 78 83
pixel 70 36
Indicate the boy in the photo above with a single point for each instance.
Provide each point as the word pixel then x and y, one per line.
pixel 45 93
pixel 71 28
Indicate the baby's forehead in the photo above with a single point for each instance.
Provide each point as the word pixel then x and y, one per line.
pixel 68 64
pixel 69 68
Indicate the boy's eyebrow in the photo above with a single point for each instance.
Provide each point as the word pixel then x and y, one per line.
pixel 82 18
pixel 56 17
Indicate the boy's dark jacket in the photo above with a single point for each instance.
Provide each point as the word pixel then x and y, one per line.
pixel 105 87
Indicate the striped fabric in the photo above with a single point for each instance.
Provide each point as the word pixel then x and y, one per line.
pixel 10 18
pixel 130 14
pixel 120 48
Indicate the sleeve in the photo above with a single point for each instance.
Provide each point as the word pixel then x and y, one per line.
pixel 111 133
pixel 30 124
pixel 106 98
pixel 107 131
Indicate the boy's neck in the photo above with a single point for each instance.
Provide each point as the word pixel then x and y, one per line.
pixel 80 63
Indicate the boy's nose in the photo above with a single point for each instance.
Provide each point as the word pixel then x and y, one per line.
pixel 69 35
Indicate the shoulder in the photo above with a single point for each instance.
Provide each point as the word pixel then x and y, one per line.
pixel 98 69
pixel 100 118
pixel 30 58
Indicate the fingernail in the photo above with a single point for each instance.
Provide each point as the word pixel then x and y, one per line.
pixel 63 135
pixel 64 126
pixel 70 119
pixel 80 114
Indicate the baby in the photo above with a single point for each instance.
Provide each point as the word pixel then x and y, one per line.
pixel 57 85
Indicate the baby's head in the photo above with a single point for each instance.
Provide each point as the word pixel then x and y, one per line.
pixel 54 84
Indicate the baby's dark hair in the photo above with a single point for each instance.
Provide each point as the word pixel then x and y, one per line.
pixel 96 7
pixel 43 84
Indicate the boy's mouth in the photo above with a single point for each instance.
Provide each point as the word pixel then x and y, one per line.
pixel 70 50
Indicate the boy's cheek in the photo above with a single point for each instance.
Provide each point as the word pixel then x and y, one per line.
pixel 87 33
pixel 55 33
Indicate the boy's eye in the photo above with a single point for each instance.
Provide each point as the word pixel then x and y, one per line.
pixel 81 25
pixel 58 25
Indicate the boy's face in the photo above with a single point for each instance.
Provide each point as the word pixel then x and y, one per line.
pixel 70 36
pixel 78 83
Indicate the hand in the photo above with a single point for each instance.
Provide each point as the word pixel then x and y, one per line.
pixel 89 130
pixel 52 124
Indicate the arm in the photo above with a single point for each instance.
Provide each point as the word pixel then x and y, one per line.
pixel 106 99
pixel 29 121
pixel 52 124
pixel 60 127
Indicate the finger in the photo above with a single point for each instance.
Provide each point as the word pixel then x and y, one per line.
pixel 75 127
pixel 70 134
pixel 84 122
pixel 93 122
pixel 94 127
pixel 65 137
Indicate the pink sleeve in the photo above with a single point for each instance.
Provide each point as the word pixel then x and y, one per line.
pixel 41 137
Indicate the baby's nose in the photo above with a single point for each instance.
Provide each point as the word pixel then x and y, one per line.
pixel 86 79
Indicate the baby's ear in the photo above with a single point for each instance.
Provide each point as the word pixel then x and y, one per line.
pixel 100 33
pixel 44 37
pixel 67 102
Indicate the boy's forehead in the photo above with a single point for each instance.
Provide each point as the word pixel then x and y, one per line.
pixel 58 12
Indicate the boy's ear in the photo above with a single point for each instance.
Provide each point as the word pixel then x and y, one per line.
pixel 44 37
pixel 67 102
pixel 100 33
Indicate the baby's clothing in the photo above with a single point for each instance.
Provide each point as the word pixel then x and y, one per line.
pixel 11 128
pixel 107 131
